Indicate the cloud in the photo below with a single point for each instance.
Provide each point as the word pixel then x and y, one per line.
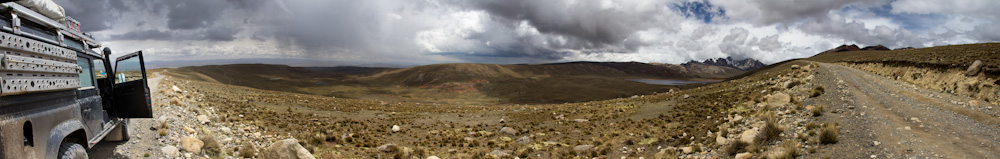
pixel 528 31
pixel 97 15
pixel 143 35
pixel 193 14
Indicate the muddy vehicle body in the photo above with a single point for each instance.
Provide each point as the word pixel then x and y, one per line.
pixel 58 96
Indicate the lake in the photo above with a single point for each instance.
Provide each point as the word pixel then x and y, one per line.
pixel 671 82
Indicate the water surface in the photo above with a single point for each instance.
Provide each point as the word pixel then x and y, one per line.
pixel 671 82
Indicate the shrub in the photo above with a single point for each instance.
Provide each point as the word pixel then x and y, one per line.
pixel 791 150
pixel 734 147
pixel 829 134
pixel 212 147
pixel 163 132
pixel 247 150
pixel 818 111
pixel 817 91
pixel 770 131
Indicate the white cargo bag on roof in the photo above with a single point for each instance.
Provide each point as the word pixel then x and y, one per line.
pixel 47 8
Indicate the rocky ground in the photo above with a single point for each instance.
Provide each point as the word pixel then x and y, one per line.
pixel 797 109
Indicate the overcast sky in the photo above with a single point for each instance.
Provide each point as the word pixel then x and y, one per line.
pixel 407 32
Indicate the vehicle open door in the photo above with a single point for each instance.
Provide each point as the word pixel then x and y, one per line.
pixel 131 93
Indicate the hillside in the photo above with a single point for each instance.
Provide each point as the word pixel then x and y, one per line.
pixel 464 83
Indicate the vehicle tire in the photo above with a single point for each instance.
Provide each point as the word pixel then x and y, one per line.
pixel 120 133
pixel 69 150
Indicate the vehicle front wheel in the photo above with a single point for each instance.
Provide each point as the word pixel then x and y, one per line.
pixel 69 150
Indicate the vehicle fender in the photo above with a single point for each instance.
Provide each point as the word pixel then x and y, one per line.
pixel 59 132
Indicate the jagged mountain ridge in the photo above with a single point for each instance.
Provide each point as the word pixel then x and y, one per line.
pixel 744 64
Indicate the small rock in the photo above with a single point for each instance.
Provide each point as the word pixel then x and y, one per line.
pixel 810 107
pixel 395 128
pixel 795 67
pixel 178 90
pixel 745 155
pixel 915 119
pixel 687 150
pixel 433 157
pixel 791 83
pixel 738 117
pixel 508 131
pixel 191 144
pixel 388 148
pixel 203 119
pixel 189 130
pixel 500 153
pixel 524 140
pixel 287 148
pixel 850 107
pixel 582 148
pixel 580 120
pixel 907 128
pixel 687 96
pixel 505 139
pixel 876 143
pixel 170 151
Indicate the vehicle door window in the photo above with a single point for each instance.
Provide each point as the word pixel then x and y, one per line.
pixel 99 72
pixel 128 70
pixel 86 72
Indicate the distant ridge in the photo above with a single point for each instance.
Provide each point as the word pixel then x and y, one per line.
pixel 745 64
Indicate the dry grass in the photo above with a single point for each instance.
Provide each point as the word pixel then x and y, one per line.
pixel 734 147
pixel 771 131
pixel 790 150
pixel 247 150
pixel 818 111
pixel 828 135
pixel 212 146
pixel 817 91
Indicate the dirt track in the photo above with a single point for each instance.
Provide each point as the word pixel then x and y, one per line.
pixel 904 120
pixel 144 141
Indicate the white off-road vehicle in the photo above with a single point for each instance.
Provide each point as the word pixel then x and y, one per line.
pixel 58 96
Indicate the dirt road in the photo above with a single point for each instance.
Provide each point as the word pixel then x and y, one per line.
pixel 884 118
pixel 144 141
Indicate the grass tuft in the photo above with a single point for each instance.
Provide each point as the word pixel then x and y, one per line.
pixel 817 91
pixel 790 150
pixel 829 134
pixel 770 131
pixel 734 147
pixel 212 146
pixel 818 111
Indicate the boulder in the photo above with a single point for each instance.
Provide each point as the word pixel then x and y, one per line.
pixel 287 148
pixel 745 155
pixel 778 99
pixel 191 144
pixel 974 69
pixel 508 131
pixel 170 151
pixel 749 135
pixel 582 148
pixel 388 148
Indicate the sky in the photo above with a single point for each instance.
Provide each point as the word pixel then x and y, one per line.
pixel 418 32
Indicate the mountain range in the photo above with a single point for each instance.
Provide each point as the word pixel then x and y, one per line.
pixel 744 64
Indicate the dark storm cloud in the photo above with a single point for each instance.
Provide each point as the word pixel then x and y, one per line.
pixel 192 14
pixel 221 33
pixel 586 25
pixel 143 35
pixel 97 15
